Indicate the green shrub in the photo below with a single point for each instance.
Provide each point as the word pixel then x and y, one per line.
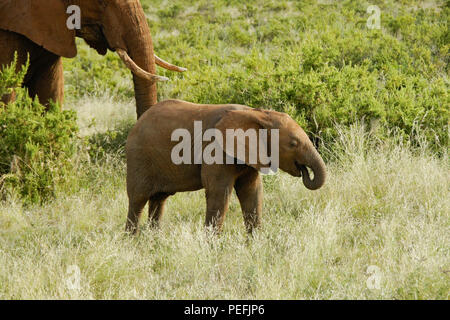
pixel 36 144
pixel 91 74
pixel 10 79
pixel 109 143
pixel 318 62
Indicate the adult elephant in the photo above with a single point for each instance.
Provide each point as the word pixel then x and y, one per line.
pixel 39 28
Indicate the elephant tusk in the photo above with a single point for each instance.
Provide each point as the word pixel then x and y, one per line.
pixel 160 62
pixel 136 69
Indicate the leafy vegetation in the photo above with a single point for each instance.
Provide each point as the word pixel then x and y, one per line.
pixel 318 62
pixel 375 99
pixel 36 144
pixel 381 206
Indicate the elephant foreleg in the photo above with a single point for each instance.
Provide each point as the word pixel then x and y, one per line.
pixel 11 43
pixel 217 200
pixel 9 98
pixel 249 190
pixel 47 81
pixel 218 181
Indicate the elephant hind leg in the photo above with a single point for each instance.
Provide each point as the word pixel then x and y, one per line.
pixel 135 207
pixel 140 188
pixel 156 208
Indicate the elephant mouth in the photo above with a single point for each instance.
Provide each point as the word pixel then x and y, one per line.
pixel 300 168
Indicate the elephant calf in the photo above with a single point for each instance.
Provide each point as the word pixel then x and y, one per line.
pixel 159 165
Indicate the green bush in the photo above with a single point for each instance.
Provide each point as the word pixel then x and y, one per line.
pixel 36 144
pixel 109 143
pixel 318 62
pixel 91 74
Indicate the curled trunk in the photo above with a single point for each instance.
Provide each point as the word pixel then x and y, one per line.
pixel 316 164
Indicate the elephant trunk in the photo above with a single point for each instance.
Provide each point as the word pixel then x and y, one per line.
pixel 145 93
pixel 318 167
pixel 139 45
pixel 134 46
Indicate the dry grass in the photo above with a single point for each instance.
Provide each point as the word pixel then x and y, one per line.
pixel 100 114
pixel 383 205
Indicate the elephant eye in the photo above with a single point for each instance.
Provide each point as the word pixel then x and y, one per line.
pixel 293 143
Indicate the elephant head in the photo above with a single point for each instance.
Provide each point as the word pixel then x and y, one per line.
pixel 117 25
pixel 296 152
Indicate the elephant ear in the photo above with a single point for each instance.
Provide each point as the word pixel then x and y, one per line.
pixel 246 136
pixel 43 22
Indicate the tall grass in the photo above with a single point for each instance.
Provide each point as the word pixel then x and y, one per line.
pixel 376 98
pixel 384 205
